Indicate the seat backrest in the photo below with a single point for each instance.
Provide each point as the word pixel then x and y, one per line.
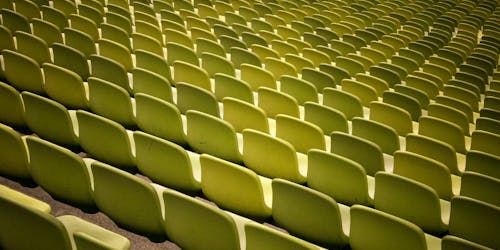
pixel 33 47
pixel 230 86
pixel 105 140
pixel 434 127
pixel 152 62
pixel 22 72
pixel 348 104
pixel 301 90
pixel 382 135
pixel 104 96
pixel 53 166
pixel 364 92
pixel 283 163
pixel 257 77
pixel 225 183
pixel 129 201
pixel 261 237
pixel 195 224
pixel 274 102
pixel 394 192
pixel 350 187
pixel 424 170
pixel 71 59
pixel 151 83
pixel 434 149
pixel 450 114
pixel 188 73
pixel 373 229
pixel 326 118
pixel 473 220
pixel 167 163
pixel 319 79
pixel 244 115
pixel 212 135
pixel 216 64
pixel 450 242
pixel 50 120
pixel 301 134
pixel 302 211
pixel 14 162
pixel 488 124
pixel 404 101
pixel 116 52
pixel 360 150
pixel 481 187
pixel 11 106
pixel 393 116
pixel 279 68
pixel 58 80
pixel 111 71
pixel 486 142
pixel 191 97
pixel 42 229
pixel 15 21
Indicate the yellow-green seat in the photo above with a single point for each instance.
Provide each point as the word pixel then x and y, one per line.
pixel 303 212
pixel 14 162
pixel 225 183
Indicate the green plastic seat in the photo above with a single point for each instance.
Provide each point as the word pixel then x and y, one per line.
pixel 348 104
pixel 300 89
pixel 364 92
pixel 180 52
pixel 11 106
pixel 326 118
pixel 216 64
pixel 242 115
pixel 301 134
pixel 351 186
pixel 14 162
pixel 116 52
pixel 212 135
pixel 386 231
pixel 191 74
pixel 274 103
pixel 394 192
pixel 319 79
pixel 225 183
pixel 62 173
pixel 144 42
pixel 46 231
pixel 230 86
pixel 258 236
pixel 433 127
pixel 386 113
pixel 70 58
pixel 178 38
pixel 150 83
pixel 480 187
pixel 285 163
pixel 486 142
pixel 58 80
pixel 138 211
pixel 382 135
pixel 437 150
pixel 104 95
pixel 195 224
pixel 302 212
pixel 450 242
pixel 33 47
pixel 191 97
pixel 105 140
pixel 241 56
pixel 159 118
pixel 257 77
pixel 167 163
pixel 22 72
pixel 109 70
pixel 366 153
pixel 62 128
pixel 473 220
pixel 488 124
pixel 427 171
pixel 15 21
